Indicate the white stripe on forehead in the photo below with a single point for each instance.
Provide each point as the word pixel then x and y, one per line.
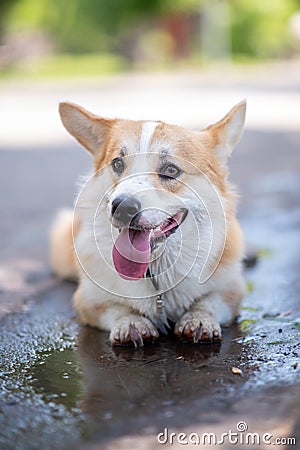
pixel 146 135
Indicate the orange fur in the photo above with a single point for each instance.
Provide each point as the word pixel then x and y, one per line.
pixel 89 315
pixel 62 256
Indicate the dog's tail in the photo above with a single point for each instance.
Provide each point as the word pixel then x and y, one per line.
pixel 62 255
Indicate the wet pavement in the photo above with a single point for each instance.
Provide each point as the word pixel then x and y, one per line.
pixel 64 387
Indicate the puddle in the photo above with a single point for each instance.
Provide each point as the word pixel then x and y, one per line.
pixel 58 378
pixel 76 391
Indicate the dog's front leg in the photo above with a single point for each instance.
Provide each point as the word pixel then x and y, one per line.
pixel 202 322
pixel 126 327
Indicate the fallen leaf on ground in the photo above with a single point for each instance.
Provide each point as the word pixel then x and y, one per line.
pixel 237 371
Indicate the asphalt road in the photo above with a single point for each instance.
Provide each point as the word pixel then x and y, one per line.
pixel 63 386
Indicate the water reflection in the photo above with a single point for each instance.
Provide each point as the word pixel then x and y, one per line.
pixel 122 379
pixel 115 387
pixel 58 377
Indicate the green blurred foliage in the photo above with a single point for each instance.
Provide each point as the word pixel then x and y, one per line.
pixel 258 27
pixel 5 6
pixel 91 25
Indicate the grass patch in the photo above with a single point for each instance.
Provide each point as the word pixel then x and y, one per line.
pixel 246 324
pixel 67 66
pixel 250 286
pixel 264 253
pixel 288 341
pixel 250 309
pixel 297 325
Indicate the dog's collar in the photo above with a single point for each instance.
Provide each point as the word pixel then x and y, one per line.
pixel 160 304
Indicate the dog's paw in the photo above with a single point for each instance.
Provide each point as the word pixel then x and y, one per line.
pixel 191 327
pixel 133 330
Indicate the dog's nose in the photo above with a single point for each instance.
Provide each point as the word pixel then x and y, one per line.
pixel 124 208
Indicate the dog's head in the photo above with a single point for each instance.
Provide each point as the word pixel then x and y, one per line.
pixel 157 172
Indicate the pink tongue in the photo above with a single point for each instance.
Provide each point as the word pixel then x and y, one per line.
pixel 131 253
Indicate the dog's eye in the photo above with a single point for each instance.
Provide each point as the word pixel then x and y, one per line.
pixel 170 171
pixel 117 165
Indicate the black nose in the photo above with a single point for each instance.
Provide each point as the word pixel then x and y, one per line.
pixel 124 208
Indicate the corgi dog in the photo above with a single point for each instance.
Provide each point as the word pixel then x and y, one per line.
pixel 153 239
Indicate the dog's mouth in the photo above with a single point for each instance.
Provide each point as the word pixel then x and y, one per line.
pixel 132 249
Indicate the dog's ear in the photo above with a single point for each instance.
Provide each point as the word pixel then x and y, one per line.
pixel 227 132
pixel 88 129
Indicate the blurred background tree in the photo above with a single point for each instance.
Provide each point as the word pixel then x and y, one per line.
pixel 259 28
pixel 79 26
pixel 151 31
pixel 5 6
